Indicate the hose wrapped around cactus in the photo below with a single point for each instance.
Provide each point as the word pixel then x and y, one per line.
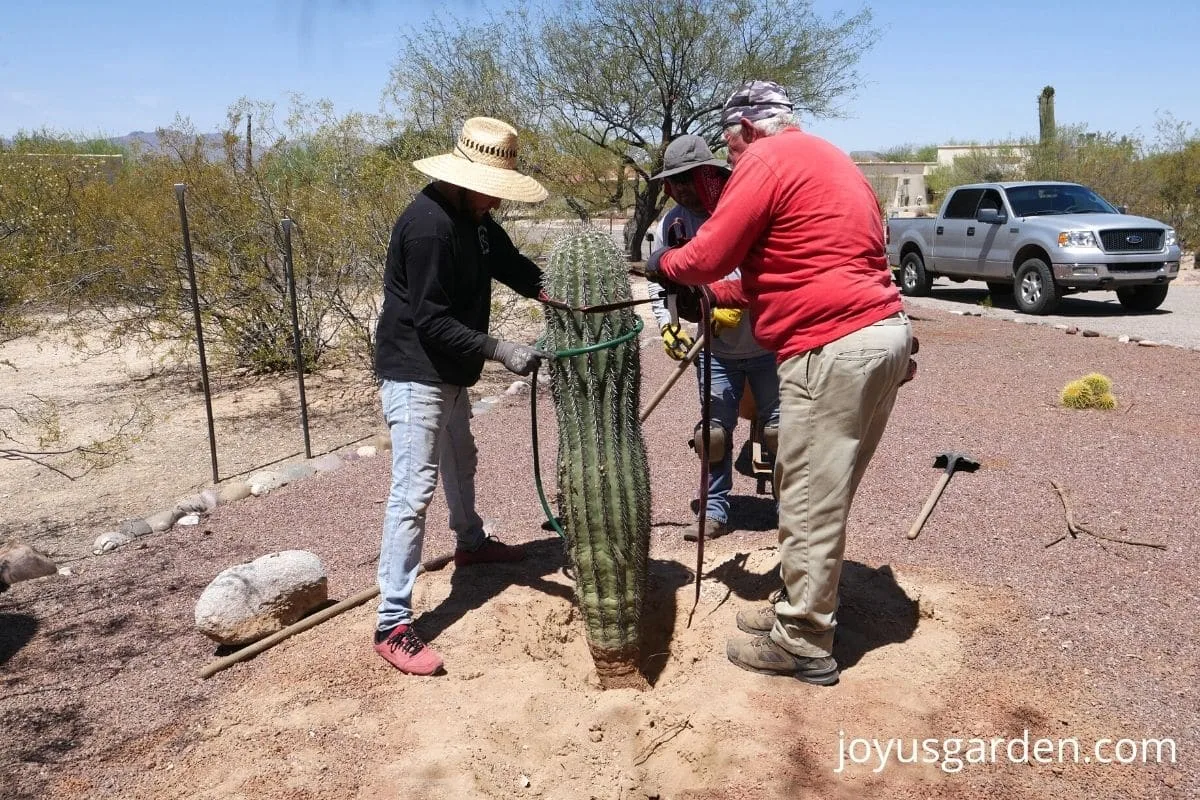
pixel 603 475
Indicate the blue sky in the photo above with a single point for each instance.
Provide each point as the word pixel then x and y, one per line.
pixel 941 70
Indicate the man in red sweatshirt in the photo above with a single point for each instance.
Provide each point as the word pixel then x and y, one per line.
pixel 804 224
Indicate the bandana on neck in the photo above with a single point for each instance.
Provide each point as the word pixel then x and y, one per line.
pixel 707 182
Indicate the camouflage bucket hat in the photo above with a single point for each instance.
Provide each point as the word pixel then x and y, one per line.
pixel 686 153
pixel 754 101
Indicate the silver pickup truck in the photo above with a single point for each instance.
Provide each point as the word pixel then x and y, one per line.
pixel 1037 242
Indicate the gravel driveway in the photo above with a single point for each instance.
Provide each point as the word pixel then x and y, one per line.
pixel 1176 322
pixel 97 668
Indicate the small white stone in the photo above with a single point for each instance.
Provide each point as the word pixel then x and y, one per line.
pixel 366 451
pixel 189 520
pixel 1123 339
pixel 107 542
pixel 65 572
pixel 524 781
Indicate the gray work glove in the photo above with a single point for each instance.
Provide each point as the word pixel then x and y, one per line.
pixel 519 358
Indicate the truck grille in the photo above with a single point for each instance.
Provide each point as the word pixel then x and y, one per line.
pixel 1136 266
pixel 1132 240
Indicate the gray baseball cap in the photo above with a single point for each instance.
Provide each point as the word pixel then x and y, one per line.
pixel 754 101
pixel 687 152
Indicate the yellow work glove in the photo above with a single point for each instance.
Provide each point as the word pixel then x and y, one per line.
pixel 676 341
pixel 725 319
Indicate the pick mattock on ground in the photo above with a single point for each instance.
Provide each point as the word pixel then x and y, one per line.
pixel 952 462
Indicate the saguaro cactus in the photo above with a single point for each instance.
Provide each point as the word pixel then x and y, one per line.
pixel 603 477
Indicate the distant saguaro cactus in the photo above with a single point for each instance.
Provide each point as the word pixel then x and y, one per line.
pixel 603 475
pixel 1046 127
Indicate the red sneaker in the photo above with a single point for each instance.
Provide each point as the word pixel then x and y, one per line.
pixel 491 551
pixel 405 651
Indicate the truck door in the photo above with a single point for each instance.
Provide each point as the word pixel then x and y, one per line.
pixel 950 240
pixel 990 249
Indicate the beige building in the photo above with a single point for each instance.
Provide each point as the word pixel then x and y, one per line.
pixel 901 185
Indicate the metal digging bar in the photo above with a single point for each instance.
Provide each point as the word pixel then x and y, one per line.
pixel 180 189
pixel 291 283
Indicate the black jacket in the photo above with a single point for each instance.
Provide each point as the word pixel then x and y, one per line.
pixel 437 297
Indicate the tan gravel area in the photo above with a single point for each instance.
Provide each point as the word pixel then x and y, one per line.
pixel 976 629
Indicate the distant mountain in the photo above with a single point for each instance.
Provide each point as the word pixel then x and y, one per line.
pixel 148 140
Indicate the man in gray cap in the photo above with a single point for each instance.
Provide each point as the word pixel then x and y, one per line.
pixel 694 180
pixel 804 224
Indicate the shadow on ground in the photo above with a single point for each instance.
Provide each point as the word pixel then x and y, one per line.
pixel 1069 306
pixel 15 632
pixel 873 610
pixel 473 587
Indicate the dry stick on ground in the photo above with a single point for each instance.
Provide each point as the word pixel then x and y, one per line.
pixel 1074 528
pixel 666 736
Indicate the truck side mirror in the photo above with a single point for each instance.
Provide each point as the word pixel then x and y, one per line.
pixel 1122 210
pixel 990 216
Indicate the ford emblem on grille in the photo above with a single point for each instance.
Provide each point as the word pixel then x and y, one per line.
pixel 1133 239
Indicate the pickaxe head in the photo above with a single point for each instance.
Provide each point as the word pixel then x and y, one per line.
pixel 955 462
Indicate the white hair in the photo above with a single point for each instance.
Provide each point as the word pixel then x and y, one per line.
pixel 777 121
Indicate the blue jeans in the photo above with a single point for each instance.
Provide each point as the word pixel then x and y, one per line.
pixel 430 425
pixel 729 376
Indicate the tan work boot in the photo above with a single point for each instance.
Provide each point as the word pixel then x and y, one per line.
pixel 761 620
pixel 712 530
pixel 763 656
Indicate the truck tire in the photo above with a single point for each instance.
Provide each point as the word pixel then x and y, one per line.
pixel 1142 298
pixel 1036 292
pixel 914 280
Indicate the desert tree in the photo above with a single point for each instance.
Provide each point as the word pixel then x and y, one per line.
pixel 623 76
pixel 1112 164
pixel 1175 164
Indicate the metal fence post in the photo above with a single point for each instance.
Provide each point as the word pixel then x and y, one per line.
pixel 291 283
pixel 180 189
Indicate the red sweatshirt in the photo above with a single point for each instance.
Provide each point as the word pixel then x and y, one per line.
pixel 804 224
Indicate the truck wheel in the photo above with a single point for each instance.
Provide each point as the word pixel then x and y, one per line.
pixel 1036 292
pixel 914 281
pixel 1142 298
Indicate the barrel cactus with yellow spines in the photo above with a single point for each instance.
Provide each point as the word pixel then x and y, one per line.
pixel 603 475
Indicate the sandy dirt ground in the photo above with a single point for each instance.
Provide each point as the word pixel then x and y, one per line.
pixel 976 631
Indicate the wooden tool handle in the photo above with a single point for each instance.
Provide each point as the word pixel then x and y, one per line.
pixel 929 504
pixel 680 368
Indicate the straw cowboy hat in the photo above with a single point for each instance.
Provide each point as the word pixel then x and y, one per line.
pixel 484 160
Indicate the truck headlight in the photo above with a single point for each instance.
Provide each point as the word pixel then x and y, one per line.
pixel 1171 239
pixel 1076 239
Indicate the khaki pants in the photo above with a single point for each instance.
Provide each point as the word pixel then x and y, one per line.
pixel 834 405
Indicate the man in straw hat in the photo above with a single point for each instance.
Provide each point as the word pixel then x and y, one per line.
pixel 694 180
pixel 804 224
pixel 431 343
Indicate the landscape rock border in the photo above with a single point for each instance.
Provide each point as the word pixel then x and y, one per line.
pixel 189 510
pixel 1124 338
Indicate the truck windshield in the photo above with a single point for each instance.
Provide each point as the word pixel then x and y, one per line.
pixel 1056 198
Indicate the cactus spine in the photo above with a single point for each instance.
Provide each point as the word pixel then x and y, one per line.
pixel 603 476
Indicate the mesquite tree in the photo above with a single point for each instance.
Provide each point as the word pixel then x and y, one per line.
pixel 603 476
pixel 600 87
